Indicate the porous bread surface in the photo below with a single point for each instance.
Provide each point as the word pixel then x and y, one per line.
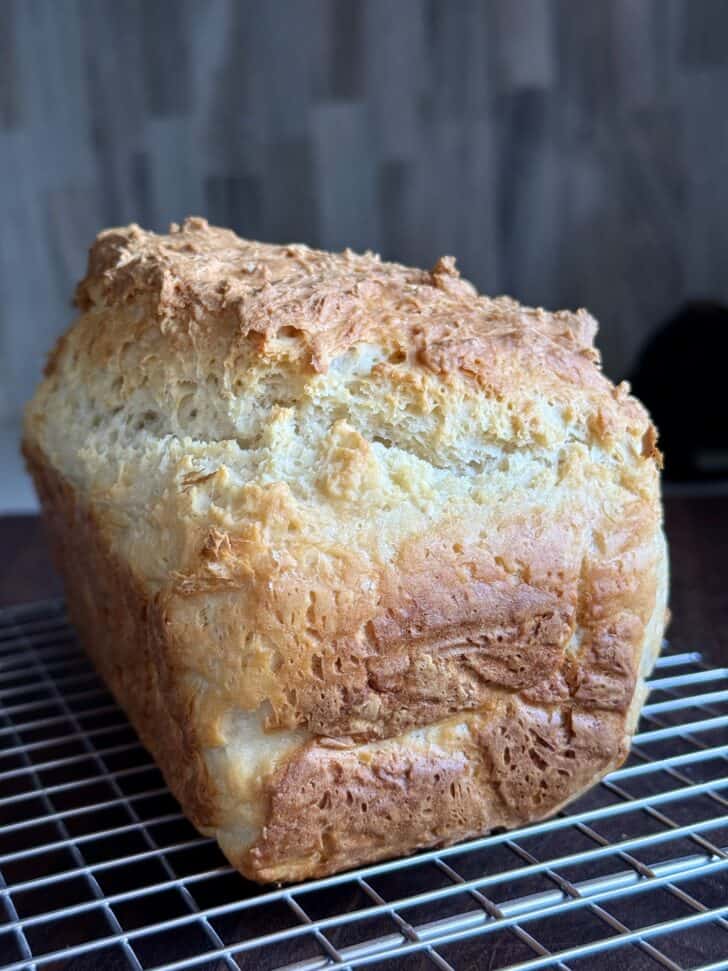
pixel 389 552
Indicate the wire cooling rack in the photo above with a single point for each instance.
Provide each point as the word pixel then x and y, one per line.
pixel 99 869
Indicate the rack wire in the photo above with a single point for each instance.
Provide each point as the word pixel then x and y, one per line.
pixel 99 868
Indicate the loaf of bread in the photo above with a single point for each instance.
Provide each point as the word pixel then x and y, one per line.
pixel 372 562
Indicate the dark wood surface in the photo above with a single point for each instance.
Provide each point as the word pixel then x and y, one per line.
pixel 697 529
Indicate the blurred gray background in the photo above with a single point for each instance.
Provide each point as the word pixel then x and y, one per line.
pixel 569 153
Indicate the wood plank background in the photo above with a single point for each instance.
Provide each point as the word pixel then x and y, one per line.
pixel 568 152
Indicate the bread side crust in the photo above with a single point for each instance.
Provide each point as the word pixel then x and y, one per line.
pixel 331 808
pixel 516 760
pixel 124 632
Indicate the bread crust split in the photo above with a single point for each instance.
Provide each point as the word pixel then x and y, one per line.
pixel 372 562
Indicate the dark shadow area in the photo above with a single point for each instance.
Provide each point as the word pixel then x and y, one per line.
pixel 681 377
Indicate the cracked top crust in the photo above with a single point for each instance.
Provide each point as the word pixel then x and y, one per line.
pixel 304 306
pixel 363 498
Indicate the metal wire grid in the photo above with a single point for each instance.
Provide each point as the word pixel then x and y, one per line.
pixel 98 868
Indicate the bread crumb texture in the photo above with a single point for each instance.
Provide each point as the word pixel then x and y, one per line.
pixel 390 552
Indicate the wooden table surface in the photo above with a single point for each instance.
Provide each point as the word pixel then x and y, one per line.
pixel 697 529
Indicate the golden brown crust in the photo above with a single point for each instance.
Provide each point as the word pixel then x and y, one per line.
pixel 330 809
pixel 201 281
pixel 368 654
pixel 382 558
pixel 431 634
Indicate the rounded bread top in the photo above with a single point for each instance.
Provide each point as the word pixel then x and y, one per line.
pixel 304 308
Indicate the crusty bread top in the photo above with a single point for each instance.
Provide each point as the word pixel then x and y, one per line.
pixel 328 301
pixel 296 304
